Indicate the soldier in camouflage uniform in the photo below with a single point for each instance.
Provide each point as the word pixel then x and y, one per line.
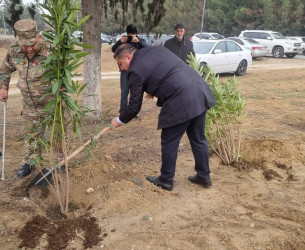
pixel 26 55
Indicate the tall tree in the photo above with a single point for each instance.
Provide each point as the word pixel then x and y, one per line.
pixel 92 30
pixel 32 10
pixel 15 10
pixel 92 67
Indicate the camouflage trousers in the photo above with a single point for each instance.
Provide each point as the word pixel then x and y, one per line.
pixel 33 135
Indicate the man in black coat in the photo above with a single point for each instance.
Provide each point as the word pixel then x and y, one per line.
pixel 185 98
pixel 179 45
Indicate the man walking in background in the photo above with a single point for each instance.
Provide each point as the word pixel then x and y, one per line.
pixel 185 99
pixel 130 38
pixel 179 45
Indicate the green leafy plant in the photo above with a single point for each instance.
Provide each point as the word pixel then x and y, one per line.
pixel 64 109
pixel 224 121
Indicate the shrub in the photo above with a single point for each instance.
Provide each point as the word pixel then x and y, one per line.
pixel 224 121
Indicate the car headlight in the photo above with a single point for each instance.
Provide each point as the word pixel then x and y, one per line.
pixel 290 44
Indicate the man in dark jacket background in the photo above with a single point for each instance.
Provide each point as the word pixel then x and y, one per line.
pixel 131 38
pixel 179 45
pixel 185 99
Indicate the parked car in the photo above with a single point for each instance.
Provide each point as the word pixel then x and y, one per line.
pixel 299 39
pixel 118 36
pixel 276 43
pixel 257 49
pixel 162 39
pixel 78 34
pixel 206 35
pixel 223 56
pixel 105 38
pixel 148 39
pixel 113 39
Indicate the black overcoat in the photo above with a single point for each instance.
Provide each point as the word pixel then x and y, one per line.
pixel 160 73
pixel 180 48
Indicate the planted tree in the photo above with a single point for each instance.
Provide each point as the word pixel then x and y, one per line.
pixel 224 121
pixel 64 109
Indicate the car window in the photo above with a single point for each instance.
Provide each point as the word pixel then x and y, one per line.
pixel 202 47
pixel 232 47
pixel 264 35
pixel 221 46
pixel 217 36
pixel 237 40
pixel 203 36
pixel 251 40
pixel 278 35
pixel 250 35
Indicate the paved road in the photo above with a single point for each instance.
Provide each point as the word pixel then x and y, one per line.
pixel 300 57
pixel 255 66
pixel 105 75
pixel 296 57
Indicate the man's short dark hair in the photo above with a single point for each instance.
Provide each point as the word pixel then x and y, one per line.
pixel 178 26
pixel 123 49
pixel 131 29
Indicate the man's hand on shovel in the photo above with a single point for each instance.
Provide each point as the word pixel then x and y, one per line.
pixel 115 123
pixel 44 173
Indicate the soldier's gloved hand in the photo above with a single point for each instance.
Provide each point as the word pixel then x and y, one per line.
pixel 3 95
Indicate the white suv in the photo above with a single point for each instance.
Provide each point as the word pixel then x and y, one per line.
pixel 299 39
pixel 276 43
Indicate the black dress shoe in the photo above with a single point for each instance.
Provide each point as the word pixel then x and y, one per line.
pixel 156 180
pixel 197 180
pixel 25 170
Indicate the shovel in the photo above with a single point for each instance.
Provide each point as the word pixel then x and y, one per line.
pixel 44 177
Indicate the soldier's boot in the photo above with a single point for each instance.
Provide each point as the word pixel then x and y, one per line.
pixel 25 170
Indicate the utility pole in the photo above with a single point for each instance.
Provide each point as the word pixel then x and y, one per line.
pixel 203 10
pixel 4 26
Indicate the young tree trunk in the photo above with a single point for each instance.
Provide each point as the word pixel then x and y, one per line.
pixel 92 66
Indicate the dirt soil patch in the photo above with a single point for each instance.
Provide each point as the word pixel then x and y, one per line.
pixel 60 234
pixel 258 204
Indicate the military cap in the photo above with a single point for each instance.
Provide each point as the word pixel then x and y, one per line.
pixel 26 30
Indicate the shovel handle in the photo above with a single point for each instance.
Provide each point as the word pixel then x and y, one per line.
pixel 74 153
pixel 81 148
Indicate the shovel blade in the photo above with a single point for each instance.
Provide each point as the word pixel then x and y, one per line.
pixel 45 179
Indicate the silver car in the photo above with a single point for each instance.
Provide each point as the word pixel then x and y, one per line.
pixel 257 49
pixel 105 38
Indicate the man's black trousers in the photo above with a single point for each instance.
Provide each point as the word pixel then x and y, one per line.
pixel 170 139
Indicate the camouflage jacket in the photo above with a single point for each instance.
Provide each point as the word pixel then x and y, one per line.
pixel 30 71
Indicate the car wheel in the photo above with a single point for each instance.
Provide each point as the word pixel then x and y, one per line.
pixel 303 52
pixel 278 52
pixel 291 55
pixel 242 68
